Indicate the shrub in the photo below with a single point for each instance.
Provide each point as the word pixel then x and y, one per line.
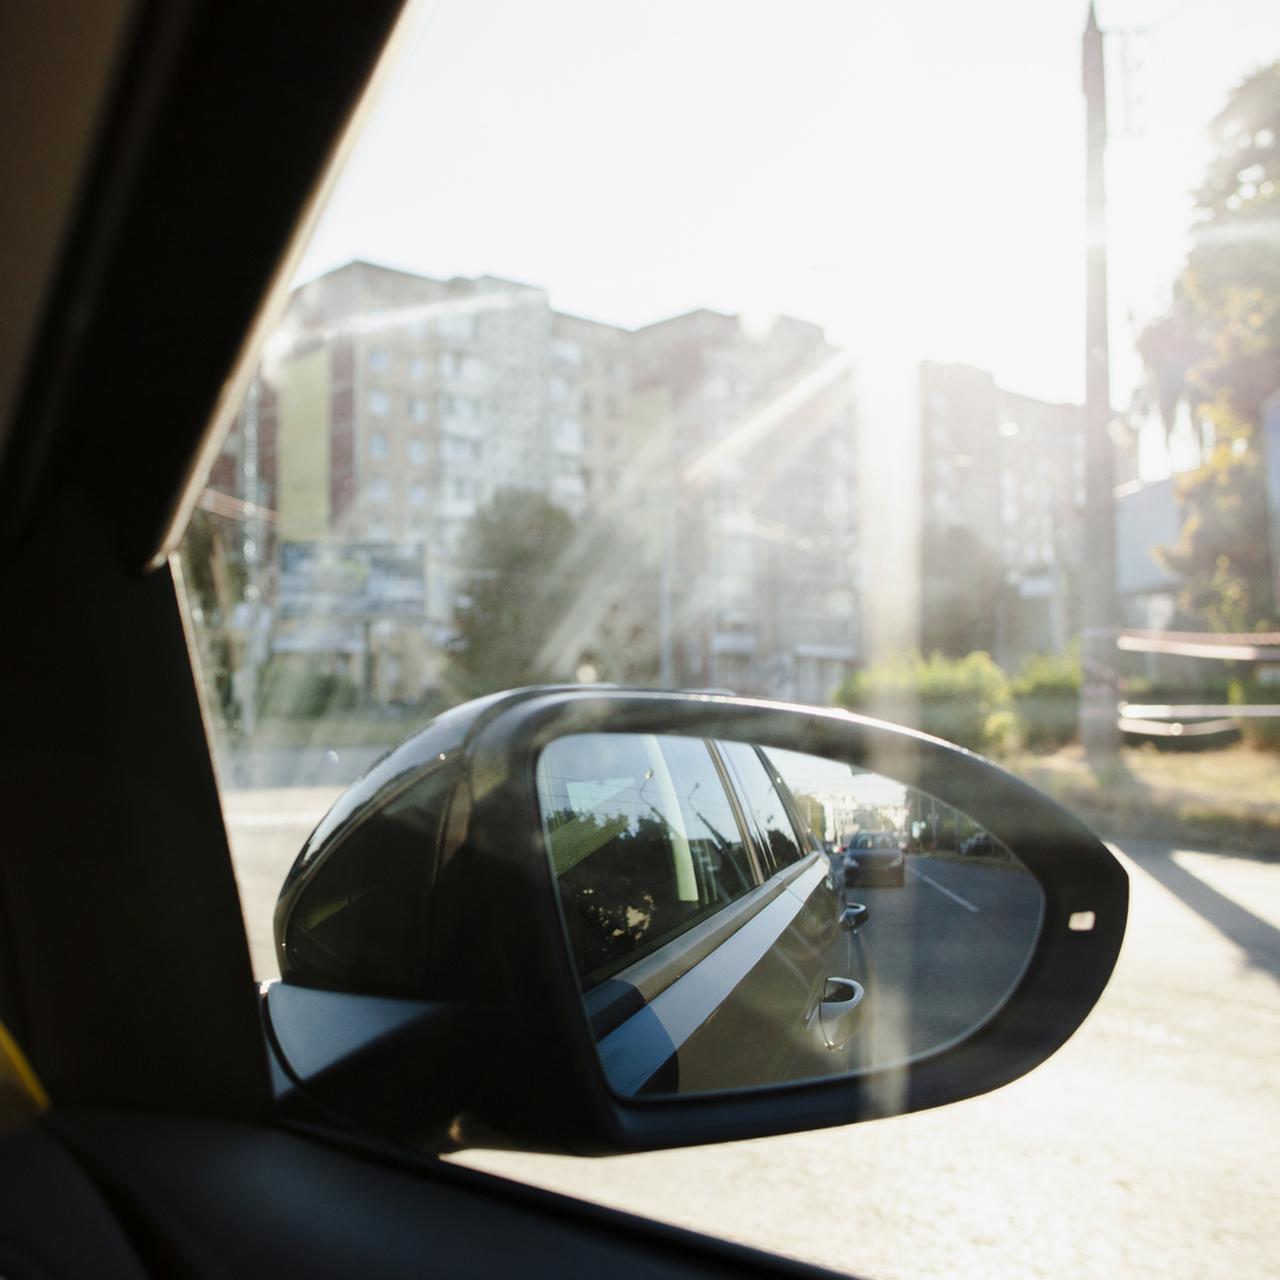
pixel 291 691
pixel 1046 693
pixel 964 700
pixel 1261 733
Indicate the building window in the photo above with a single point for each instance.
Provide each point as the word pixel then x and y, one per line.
pixel 379 489
pixel 417 495
pixel 457 327
pixel 460 407
pixel 459 449
pixel 379 404
pixel 378 449
pixel 567 350
pixel 569 436
pixel 417 451
pixel 417 409
pixel 417 368
pixel 379 360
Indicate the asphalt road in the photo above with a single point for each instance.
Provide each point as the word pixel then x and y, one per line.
pixel 942 951
pixel 1149 1146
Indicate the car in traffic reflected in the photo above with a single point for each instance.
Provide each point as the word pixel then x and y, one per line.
pixel 874 858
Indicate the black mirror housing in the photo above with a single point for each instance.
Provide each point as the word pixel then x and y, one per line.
pixel 495 943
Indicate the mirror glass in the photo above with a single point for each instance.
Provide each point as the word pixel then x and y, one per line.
pixel 741 915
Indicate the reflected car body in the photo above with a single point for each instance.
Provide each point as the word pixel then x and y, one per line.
pixel 874 857
pixel 764 984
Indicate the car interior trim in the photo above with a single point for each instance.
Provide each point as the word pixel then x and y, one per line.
pixel 276 295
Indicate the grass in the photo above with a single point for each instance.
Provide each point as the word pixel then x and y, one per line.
pixel 1227 799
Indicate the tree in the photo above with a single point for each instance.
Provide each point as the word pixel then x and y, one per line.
pixel 1222 334
pixel 1221 558
pixel 216 582
pixel 964 700
pixel 545 597
pixel 515 587
pixel 960 586
pixel 1218 351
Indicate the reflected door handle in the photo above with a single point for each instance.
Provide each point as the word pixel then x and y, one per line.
pixel 842 1012
pixel 854 916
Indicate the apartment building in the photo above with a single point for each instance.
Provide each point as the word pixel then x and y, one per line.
pixel 763 569
pixel 715 458
pixel 1002 499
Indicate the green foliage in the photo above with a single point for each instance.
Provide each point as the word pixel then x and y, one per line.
pixel 1221 556
pixel 1057 673
pixel 215 582
pixel 1221 339
pixel 518 584
pixel 964 700
pixel 1261 733
pixel 1046 692
pixel 959 592
pixel 1210 684
pixel 543 596
pixel 293 690
pixel 1232 281
pixel 1218 350
pixel 813 812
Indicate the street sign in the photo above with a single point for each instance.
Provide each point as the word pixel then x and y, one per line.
pixel 351 580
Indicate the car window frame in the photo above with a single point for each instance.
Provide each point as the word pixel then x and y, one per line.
pixel 596 978
pixel 766 850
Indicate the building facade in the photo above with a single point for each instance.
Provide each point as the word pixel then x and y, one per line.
pixel 712 461
pixel 761 460
pixel 1002 503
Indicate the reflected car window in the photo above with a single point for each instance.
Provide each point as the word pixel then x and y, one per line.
pixel 763 801
pixel 643 843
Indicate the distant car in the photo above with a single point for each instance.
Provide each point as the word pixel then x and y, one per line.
pixel 978 844
pixel 874 857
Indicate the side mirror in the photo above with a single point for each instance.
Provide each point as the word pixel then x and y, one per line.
pixel 601 920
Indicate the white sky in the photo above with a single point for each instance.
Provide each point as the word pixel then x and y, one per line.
pixel 818 777
pixel 907 173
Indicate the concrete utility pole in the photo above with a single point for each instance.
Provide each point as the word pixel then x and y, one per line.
pixel 1099 731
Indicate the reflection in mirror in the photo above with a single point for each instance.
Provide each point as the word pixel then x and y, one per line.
pixel 742 916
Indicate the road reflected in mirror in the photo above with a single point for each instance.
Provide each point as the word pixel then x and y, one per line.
pixel 741 915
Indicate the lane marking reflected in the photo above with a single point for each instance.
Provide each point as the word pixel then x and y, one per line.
pixel 942 888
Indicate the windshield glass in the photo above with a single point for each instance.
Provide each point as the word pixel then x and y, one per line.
pixel 921 359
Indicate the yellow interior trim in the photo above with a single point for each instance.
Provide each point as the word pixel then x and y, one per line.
pixel 16 1071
